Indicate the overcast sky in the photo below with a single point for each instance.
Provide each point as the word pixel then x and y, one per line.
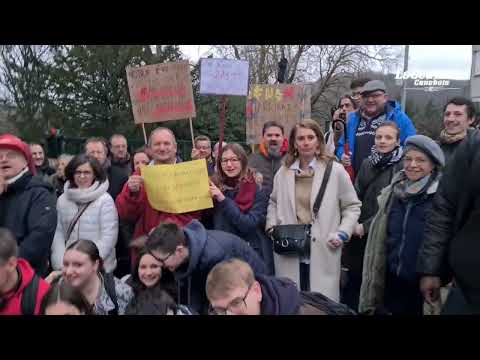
pixel 445 61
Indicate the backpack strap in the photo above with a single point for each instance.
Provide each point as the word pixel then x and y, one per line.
pixel 109 282
pixel 29 296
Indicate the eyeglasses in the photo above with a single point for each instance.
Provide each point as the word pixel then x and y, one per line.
pixel 234 304
pixel 83 173
pixel 232 160
pixel 374 95
pixel 161 261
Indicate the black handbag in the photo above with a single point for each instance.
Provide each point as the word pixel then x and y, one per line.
pixel 295 239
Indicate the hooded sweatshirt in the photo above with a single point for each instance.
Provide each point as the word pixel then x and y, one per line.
pixel 207 248
pixel 13 304
pixel 280 296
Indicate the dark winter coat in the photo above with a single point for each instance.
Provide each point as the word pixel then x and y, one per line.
pixel 280 296
pixel 449 149
pixel 249 226
pixel 124 165
pixel 45 171
pixel 268 167
pixel 206 249
pixel 395 233
pixel 453 225
pixel 368 184
pixel 117 177
pixel 58 184
pixel 28 209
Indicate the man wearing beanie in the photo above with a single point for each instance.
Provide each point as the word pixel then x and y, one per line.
pixel 27 204
pixel 451 245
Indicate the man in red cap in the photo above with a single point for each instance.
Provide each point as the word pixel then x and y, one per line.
pixel 27 204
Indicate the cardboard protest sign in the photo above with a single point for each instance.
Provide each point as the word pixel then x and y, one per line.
pixel 161 92
pixel 223 77
pixel 178 188
pixel 285 103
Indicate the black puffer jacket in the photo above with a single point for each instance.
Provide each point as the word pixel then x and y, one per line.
pixel 207 248
pixel 453 224
pixel 368 184
pixel 28 209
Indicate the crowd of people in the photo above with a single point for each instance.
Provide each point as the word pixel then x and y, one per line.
pixel 370 218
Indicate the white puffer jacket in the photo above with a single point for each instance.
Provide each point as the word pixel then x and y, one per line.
pixel 99 223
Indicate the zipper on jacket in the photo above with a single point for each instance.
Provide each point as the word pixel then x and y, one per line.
pixel 404 232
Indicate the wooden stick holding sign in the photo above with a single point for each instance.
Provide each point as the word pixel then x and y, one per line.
pixel 144 133
pixel 191 132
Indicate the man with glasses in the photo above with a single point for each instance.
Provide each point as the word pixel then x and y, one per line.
pixel 356 87
pixel 191 252
pixel 27 203
pixel 375 108
pixel 233 289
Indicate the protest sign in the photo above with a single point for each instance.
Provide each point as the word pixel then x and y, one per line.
pixel 223 77
pixel 161 92
pixel 287 104
pixel 178 188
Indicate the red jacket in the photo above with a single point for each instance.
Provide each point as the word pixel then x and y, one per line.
pixel 14 299
pixel 135 208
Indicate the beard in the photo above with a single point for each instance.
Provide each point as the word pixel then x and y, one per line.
pixel 274 149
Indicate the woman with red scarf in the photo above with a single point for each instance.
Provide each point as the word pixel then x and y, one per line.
pixel 240 205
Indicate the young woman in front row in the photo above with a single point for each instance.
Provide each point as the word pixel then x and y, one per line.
pixel 295 189
pixel 83 269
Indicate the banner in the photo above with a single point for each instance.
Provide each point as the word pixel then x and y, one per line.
pixel 161 92
pixel 223 77
pixel 285 103
pixel 178 188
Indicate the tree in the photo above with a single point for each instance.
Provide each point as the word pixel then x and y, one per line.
pixel 24 72
pixel 90 84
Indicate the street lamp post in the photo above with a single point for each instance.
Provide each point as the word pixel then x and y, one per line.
pixel 405 68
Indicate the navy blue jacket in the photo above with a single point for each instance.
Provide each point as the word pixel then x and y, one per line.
pixel 249 226
pixel 28 210
pixel 228 217
pixel 207 248
pixel 406 222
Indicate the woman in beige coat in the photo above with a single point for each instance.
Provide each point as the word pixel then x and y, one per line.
pixel 295 189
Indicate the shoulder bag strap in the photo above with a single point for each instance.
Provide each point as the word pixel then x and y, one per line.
pixel 321 192
pixel 75 220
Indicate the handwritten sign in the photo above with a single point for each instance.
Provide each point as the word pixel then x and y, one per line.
pixel 285 103
pixel 178 188
pixel 223 77
pixel 161 92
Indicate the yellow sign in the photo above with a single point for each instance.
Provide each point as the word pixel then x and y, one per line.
pixel 178 188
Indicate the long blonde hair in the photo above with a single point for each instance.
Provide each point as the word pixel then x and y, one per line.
pixel 292 154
